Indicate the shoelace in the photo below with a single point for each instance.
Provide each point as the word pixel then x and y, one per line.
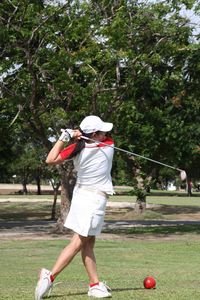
pixel 104 282
pixel 52 287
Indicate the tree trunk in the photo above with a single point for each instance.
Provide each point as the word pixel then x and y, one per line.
pixel 67 184
pixel 24 186
pixel 38 182
pixel 140 205
pixel 24 189
pixel 55 193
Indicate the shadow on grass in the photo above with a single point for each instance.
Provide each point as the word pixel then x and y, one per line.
pixel 126 289
pixel 25 211
pixel 176 209
pixel 156 230
pixel 85 293
pixel 54 296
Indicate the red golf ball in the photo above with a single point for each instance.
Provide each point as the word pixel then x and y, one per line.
pixel 149 283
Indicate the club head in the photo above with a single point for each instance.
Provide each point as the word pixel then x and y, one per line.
pixel 183 175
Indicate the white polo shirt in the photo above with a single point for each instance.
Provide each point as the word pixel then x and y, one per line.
pixel 93 165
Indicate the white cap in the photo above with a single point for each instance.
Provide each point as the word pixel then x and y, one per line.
pixel 93 123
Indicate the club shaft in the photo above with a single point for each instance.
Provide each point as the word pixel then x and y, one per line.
pixel 131 153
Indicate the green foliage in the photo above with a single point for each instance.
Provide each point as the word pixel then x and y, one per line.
pixel 139 193
pixel 135 63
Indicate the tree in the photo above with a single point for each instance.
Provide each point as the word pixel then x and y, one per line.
pixel 6 142
pixel 45 79
pixel 27 162
pixel 130 62
pixel 151 45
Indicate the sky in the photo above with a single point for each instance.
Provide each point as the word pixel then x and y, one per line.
pixel 194 18
pixel 189 13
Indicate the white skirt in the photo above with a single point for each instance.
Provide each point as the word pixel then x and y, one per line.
pixel 87 211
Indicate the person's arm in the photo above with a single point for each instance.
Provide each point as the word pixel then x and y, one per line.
pixel 54 156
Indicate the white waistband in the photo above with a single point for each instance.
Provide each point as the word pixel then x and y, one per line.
pixel 90 189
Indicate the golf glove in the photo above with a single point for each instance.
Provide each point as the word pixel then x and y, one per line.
pixel 66 135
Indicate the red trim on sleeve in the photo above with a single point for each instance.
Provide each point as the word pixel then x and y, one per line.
pixel 65 153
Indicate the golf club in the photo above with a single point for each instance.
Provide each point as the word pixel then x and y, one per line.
pixel 183 174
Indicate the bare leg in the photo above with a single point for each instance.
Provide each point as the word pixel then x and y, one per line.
pixel 89 260
pixel 68 253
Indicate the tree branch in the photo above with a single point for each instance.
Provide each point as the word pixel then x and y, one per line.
pixel 47 19
pixel 15 11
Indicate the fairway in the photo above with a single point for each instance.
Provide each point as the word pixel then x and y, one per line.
pixel 122 263
pixel 125 256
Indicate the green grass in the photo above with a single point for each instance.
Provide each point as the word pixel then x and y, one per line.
pixel 169 253
pixel 157 231
pixel 123 264
pixel 170 208
pixel 174 200
pixel 15 211
pixel 157 197
pixel 27 197
pixel 161 199
pixel 166 208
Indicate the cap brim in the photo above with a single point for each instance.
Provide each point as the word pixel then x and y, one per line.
pixel 106 127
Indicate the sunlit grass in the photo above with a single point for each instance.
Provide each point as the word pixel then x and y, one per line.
pixel 123 264
pixel 166 207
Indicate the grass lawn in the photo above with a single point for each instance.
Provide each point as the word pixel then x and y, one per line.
pixel 168 253
pixel 166 208
pixel 33 207
pixel 16 211
pixel 123 264
pixel 161 199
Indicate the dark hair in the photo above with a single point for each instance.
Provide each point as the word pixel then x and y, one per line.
pixel 80 145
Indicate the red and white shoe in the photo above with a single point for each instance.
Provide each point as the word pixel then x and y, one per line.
pixel 45 283
pixel 99 291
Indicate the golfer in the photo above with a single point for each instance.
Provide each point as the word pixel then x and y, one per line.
pixel 93 162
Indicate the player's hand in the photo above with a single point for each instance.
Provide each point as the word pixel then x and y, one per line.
pixel 77 134
pixel 66 135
